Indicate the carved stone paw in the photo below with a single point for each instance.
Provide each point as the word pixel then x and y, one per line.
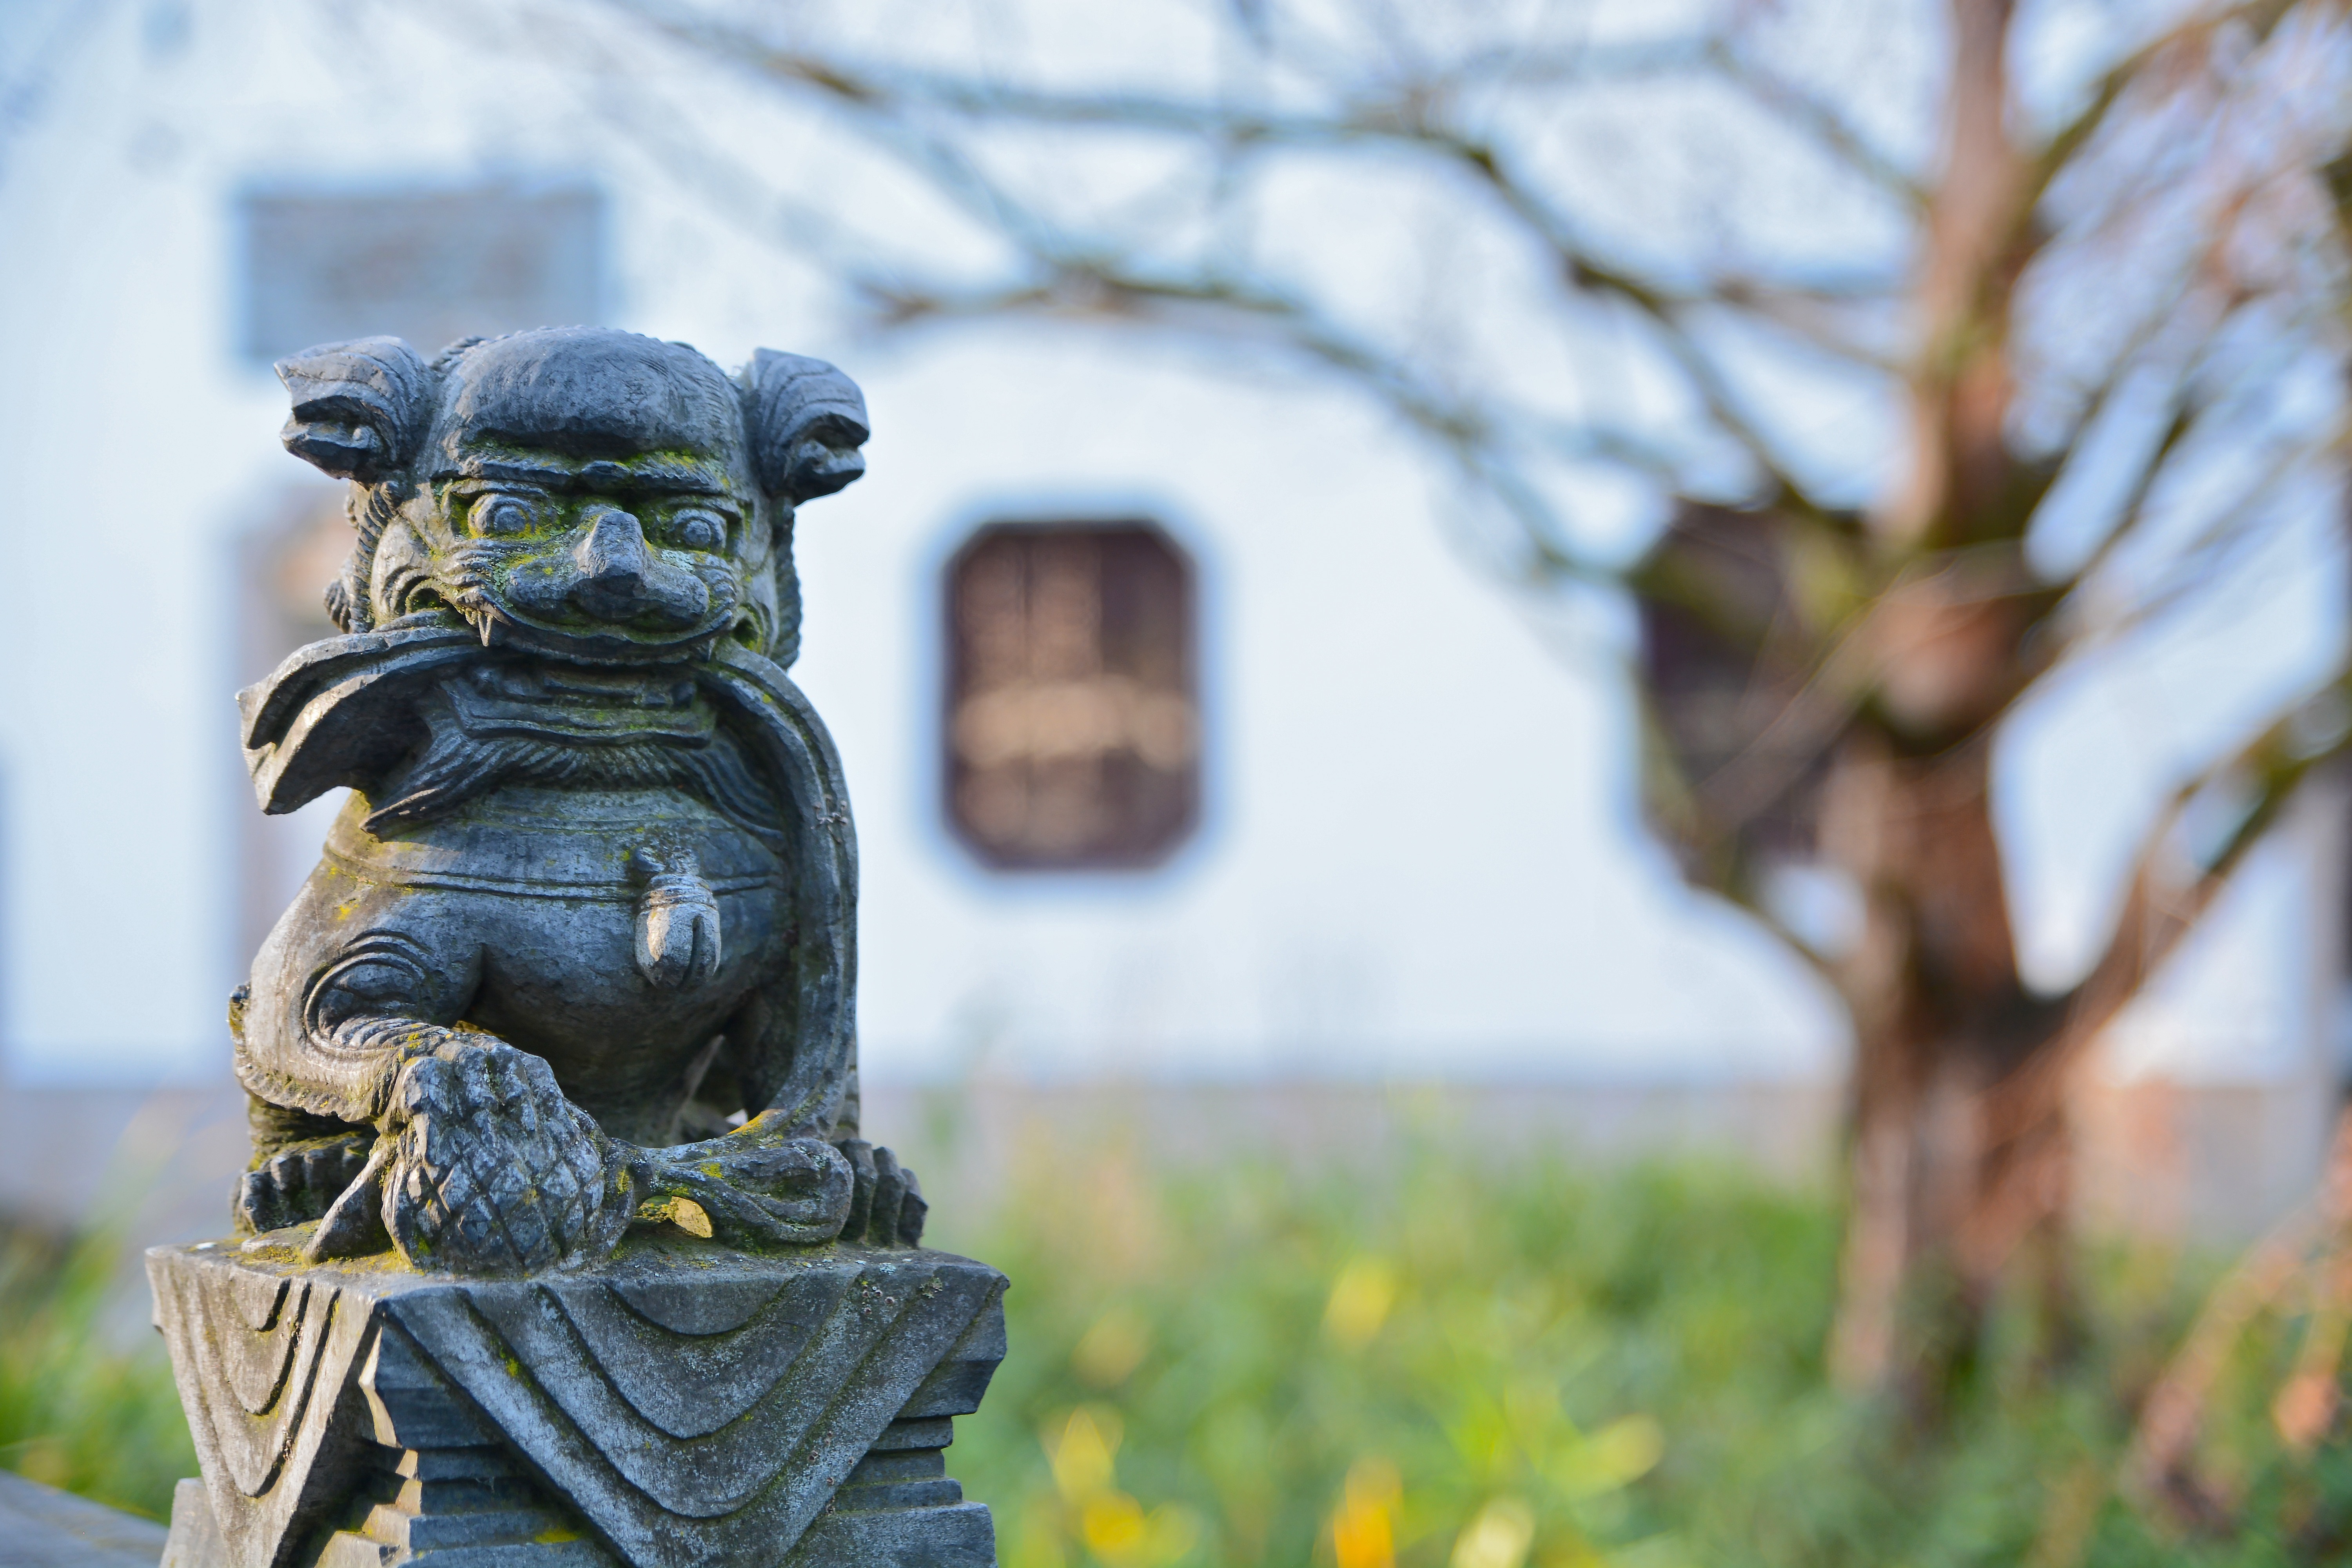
pixel 492 1171
pixel 756 1184
pixel 886 1207
pixel 298 1181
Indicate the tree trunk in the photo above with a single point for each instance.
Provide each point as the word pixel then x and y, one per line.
pixel 1959 1152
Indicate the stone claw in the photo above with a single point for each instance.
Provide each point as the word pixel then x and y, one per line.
pixel 759 1184
pixel 354 1226
pixel 886 1206
pixel 299 1181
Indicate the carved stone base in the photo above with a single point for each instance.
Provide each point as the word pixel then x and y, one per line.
pixel 679 1406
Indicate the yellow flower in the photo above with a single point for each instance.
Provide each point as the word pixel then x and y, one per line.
pixel 1498 1538
pixel 1363 1527
pixel 1112 1526
pixel 1360 1300
pixel 1084 1454
pixel 1115 1530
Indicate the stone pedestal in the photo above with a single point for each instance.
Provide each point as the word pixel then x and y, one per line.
pixel 679 1406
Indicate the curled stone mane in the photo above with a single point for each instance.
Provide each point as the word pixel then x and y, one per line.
pixel 456 767
pixel 371 509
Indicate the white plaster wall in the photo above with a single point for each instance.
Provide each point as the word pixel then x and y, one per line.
pixel 1418 858
pixel 1418 855
pixel 1414 857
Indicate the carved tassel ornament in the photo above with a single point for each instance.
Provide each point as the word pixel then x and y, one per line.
pixel 677 922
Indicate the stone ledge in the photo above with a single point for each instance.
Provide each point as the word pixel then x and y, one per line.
pixel 41 1527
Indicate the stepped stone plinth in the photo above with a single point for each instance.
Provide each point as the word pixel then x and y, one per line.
pixel 677 1406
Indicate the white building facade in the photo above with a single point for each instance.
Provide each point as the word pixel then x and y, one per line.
pixel 1413 854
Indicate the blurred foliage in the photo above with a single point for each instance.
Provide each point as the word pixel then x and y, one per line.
pixel 1460 1365
pixel 86 1394
pixel 1503 1366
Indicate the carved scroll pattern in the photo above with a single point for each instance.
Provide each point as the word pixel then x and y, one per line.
pixel 707 1431
pixel 265 1363
pixel 693 1416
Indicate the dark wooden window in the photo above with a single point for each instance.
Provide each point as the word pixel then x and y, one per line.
pixel 1073 707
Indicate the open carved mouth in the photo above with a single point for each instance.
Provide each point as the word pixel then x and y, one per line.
pixel 590 599
pixel 592 640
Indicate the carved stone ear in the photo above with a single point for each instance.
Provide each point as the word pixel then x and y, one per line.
pixel 359 408
pixel 806 421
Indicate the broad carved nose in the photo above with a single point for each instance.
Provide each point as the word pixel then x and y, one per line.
pixel 614 554
pixel 612 560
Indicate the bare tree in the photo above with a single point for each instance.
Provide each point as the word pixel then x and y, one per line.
pixel 1910 381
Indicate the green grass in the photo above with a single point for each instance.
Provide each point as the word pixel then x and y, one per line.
pixel 1452 1367
pixel 86 1394
pixel 1491 1366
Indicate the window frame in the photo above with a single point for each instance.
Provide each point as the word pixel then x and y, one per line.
pixel 1153 843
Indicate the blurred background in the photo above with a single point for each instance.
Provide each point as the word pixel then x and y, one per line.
pixel 1596 745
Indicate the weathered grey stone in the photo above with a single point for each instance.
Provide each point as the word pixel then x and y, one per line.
pixel 41 1527
pixel 195 1538
pixel 593 894
pixel 563 1247
pixel 675 1406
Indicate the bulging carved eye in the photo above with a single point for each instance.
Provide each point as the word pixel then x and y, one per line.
pixel 499 516
pixel 697 531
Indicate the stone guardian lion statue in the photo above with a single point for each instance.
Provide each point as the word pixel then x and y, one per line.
pixel 579 952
